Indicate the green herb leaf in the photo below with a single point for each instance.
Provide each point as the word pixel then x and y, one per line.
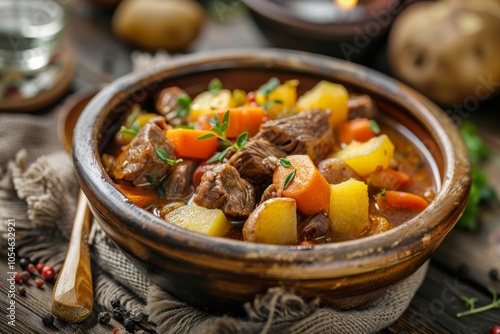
pixel 268 104
pixel 289 179
pixel 269 86
pixel 285 163
pixel 219 156
pixel 495 303
pixel 184 102
pixel 128 132
pixel 214 86
pixel 207 136
pixel 135 126
pixel 225 119
pixel 241 140
pixel 152 180
pixel 161 192
pixel 189 127
pixel 216 121
pixel 374 126
pixel 382 194
pixel 162 155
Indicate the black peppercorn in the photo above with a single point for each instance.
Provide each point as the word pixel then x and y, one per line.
pixel 103 317
pixel 493 274
pixel 48 319
pixel 24 263
pixel 129 325
pixel 115 302
pixel 22 290
pixel 119 314
pixel 25 276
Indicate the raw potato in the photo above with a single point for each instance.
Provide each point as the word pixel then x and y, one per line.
pixel 196 218
pixel 272 222
pixel 158 24
pixel 327 95
pixel 365 157
pixel 348 210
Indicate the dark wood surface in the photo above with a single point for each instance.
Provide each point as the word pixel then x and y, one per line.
pixel 459 267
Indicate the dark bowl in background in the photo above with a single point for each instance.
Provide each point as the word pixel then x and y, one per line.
pixel 222 274
pixel 347 36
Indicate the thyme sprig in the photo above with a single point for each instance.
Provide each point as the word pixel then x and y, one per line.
pixel 471 302
pixel 219 131
pixel 287 164
pixel 163 156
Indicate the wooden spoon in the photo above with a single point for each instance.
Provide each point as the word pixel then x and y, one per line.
pixel 73 296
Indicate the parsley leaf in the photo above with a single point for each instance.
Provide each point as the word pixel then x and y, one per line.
pixel 289 179
pixel 214 86
pixel 184 102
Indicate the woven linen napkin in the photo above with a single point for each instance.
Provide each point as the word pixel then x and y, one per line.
pixel 38 188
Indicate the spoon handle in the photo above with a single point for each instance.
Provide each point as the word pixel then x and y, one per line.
pixel 72 297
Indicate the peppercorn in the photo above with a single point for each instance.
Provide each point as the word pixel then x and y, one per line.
pixel 39 267
pixel 31 268
pixel 25 276
pixel 104 317
pixel 129 325
pixel 48 273
pixel 119 314
pixel 115 302
pixel 48 319
pixel 495 330
pixel 136 314
pixel 17 277
pixel 493 274
pixel 39 282
pixel 24 263
pixel 116 330
pixel 22 290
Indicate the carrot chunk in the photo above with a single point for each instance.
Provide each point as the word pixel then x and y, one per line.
pixel 308 187
pixel 187 146
pixel 358 129
pixel 243 119
pixel 392 200
pixel 140 197
pixel 388 178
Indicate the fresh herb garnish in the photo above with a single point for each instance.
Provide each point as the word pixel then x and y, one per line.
pixel 289 179
pixel 152 180
pixel 163 156
pixel 135 126
pixel 481 190
pixel 214 86
pixel 374 126
pixel 269 104
pixel 382 194
pixel 220 132
pixel 285 163
pixel 269 86
pixel 160 191
pixel 189 127
pixel 128 132
pixel 472 307
pixel 159 188
pixel 184 102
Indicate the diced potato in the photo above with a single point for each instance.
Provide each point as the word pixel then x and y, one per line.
pixel 285 96
pixel 379 225
pixel 365 157
pixel 208 101
pixel 327 95
pixel 199 219
pixel 348 210
pixel 272 222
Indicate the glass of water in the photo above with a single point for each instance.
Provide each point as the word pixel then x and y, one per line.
pixel 30 32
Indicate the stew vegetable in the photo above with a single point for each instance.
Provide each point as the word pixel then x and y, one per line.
pixel 270 166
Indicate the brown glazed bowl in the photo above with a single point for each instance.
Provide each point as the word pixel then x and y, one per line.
pixel 221 274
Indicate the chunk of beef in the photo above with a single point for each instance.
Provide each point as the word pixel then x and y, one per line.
pixel 166 105
pixel 308 132
pixel 249 162
pixel 178 184
pixel 270 192
pixel 315 228
pixel 223 188
pixel 360 106
pixel 336 171
pixel 139 158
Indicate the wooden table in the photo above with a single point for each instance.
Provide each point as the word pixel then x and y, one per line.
pixel 459 267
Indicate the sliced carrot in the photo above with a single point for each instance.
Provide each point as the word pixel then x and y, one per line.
pixel 309 187
pixel 187 146
pixel 243 119
pixel 358 129
pixel 389 179
pixel 140 197
pixel 392 200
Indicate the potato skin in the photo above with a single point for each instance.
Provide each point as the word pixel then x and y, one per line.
pixel 171 25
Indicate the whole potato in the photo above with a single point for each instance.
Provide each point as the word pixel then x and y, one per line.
pixel 158 24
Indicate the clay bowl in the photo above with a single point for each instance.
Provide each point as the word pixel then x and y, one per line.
pixel 321 26
pixel 221 274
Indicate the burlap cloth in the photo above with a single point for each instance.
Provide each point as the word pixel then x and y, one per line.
pixel 38 189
